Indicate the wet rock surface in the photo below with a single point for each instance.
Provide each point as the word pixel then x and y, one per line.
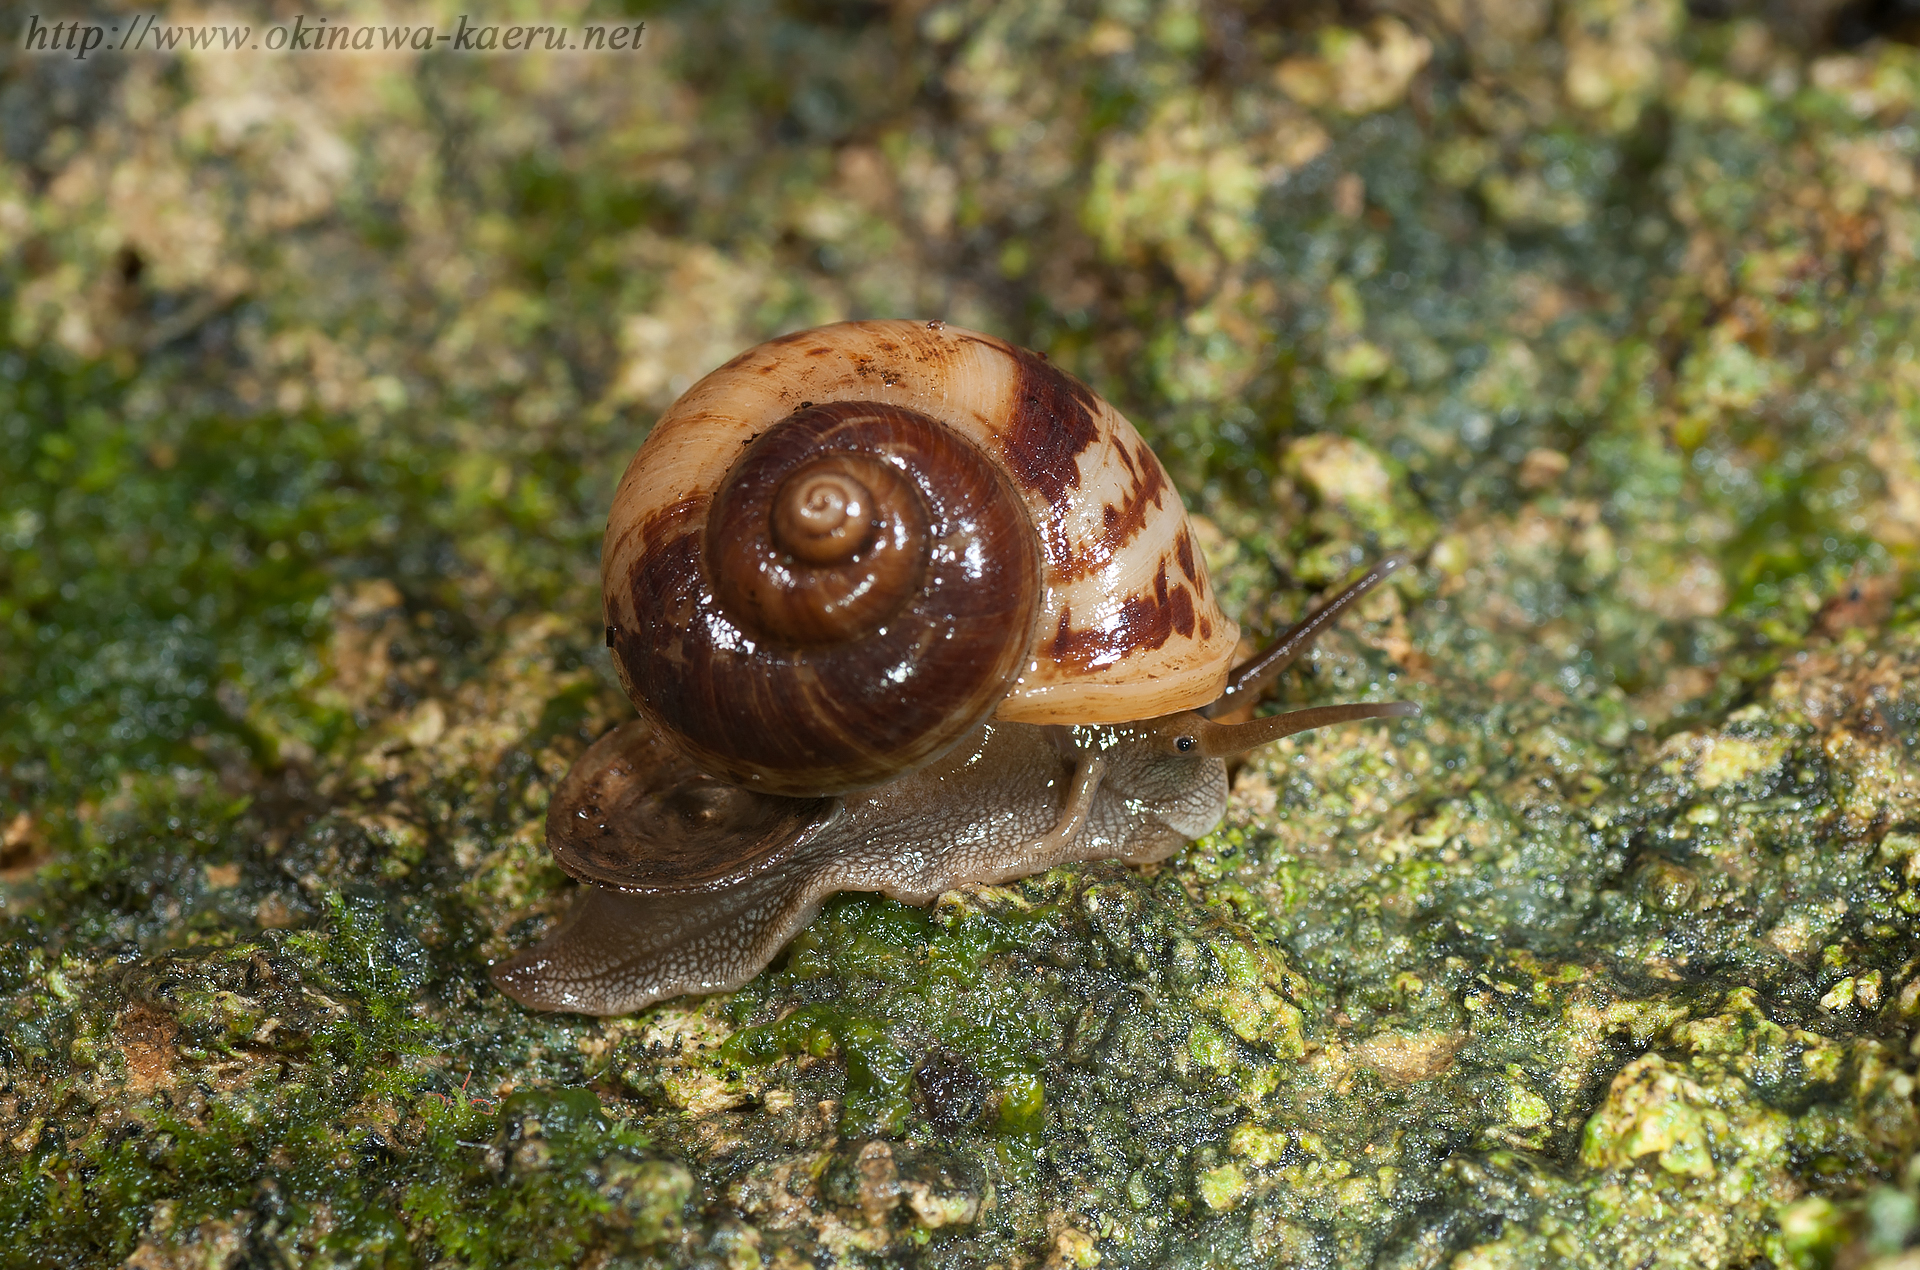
pixel 317 376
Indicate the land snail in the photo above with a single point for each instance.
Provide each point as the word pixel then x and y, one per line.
pixel 903 607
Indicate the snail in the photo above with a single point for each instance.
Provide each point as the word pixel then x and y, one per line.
pixel 902 607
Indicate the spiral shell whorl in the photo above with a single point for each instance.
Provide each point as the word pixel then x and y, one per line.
pixel 828 513
pixel 857 595
pixel 820 533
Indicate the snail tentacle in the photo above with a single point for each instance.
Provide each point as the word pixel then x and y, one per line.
pixel 1248 681
pixel 1224 740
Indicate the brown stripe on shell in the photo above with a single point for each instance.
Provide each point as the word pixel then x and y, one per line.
pixel 821 718
pixel 1183 548
pixel 668 522
pixel 1121 524
pixel 1143 622
pixel 1055 419
pixel 1181 609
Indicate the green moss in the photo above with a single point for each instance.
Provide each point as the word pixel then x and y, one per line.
pixel 572 1179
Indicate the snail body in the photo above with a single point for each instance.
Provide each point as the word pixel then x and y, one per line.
pixel 974 815
pixel 902 607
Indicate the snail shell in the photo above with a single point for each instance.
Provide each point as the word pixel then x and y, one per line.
pixel 838 554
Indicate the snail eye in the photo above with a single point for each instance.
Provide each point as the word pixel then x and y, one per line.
pixel 1184 744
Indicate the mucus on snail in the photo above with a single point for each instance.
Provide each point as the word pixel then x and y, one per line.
pixel 903 607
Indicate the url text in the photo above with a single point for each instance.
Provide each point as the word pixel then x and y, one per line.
pixel 149 33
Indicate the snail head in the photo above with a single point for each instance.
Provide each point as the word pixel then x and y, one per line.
pixel 1159 757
